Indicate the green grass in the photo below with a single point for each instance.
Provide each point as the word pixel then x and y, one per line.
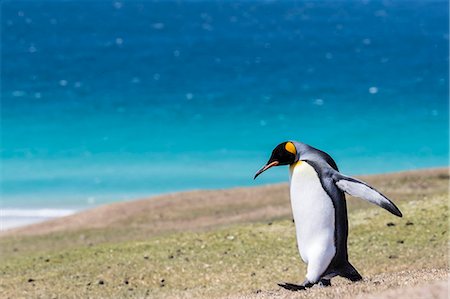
pixel 233 260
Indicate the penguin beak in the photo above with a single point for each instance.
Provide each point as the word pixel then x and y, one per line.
pixel 265 167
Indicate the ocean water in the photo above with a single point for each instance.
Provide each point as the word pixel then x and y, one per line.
pixel 105 101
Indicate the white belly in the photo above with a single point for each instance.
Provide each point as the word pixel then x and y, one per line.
pixel 313 213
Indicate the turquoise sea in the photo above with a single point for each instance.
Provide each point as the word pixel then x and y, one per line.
pixel 105 101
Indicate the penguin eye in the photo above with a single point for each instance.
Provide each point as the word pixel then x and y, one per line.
pixel 290 148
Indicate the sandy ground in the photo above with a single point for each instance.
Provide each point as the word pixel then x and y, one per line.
pixel 417 284
pixel 433 290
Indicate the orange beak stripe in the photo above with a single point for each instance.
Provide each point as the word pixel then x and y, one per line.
pixel 265 167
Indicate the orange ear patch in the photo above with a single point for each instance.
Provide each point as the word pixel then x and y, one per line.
pixel 290 147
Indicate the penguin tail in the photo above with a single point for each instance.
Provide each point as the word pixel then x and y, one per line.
pixel 349 272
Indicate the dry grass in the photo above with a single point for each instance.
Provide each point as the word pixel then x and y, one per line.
pixel 213 244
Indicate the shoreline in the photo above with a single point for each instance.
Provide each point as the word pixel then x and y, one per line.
pixel 11 218
pixel 57 219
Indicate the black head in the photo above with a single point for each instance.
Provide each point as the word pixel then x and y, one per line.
pixel 283 154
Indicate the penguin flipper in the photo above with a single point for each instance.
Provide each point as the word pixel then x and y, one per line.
pixel 362 190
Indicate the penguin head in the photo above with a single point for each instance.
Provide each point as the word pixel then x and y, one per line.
pixel 283 154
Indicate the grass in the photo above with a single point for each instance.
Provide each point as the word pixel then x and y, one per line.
pixel 236 259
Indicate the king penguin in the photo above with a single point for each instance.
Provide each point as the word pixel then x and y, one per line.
pixel 320 211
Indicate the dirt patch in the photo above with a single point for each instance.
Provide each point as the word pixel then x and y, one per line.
pixel 432 290
pixel 414 284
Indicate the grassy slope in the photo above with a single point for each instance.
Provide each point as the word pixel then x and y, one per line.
pixel 144 253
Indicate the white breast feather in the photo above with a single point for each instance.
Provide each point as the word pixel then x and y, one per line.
pixel 313 213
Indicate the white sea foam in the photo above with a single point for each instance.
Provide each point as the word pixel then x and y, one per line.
pixel 373 90
pixel 44 213
pixel 32 49
pixel 119 41
pixel 318 102
pixel 11 217
pixel 158 26
pixel 18 93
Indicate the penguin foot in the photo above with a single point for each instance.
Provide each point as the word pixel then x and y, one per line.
pixel 292 287
pixel 307 284
pixel 324 282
